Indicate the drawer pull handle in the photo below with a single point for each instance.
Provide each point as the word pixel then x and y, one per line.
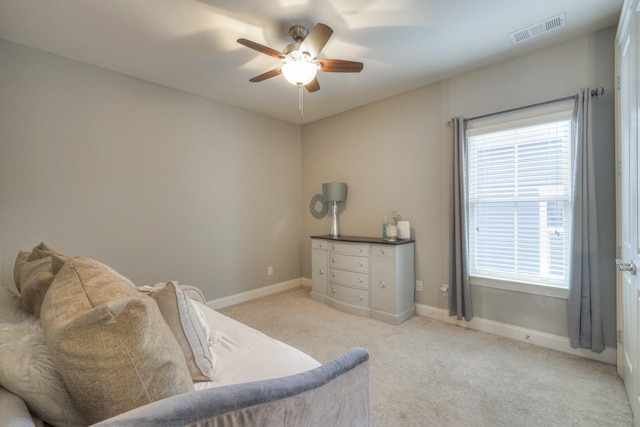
pixel 360 264
pixel 381 251
pixel 360 250
pixel 360 280
pixel 333 274
pixel 333 259
pixel 383 285
pixel 321 272
pixel 321 245
pixel 333 246
pixel 333 291
pixel 360 298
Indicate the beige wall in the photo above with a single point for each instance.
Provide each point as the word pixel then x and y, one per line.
pixel 157 183
pixel 390 154
pixel 395 155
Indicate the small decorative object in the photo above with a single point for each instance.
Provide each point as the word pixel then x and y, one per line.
pixel 334 192
pixel 392 232
pixel 384 228
pixel 318 206
pixel 396 217
pixel 404 230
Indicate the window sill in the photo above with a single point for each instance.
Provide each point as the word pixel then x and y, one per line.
pixel 528 288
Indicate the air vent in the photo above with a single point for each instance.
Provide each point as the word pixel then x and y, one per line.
pixel 538 28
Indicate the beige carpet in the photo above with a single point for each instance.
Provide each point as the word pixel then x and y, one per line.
pixel 429 373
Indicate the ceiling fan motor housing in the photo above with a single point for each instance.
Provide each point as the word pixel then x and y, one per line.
pixel 298 32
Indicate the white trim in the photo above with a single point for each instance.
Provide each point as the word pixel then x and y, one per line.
pixel 542 339
pixel 257 293
pixel 526 117
pixel 554 342
pixel 527 288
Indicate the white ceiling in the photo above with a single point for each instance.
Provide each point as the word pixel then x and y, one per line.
pixel 191 44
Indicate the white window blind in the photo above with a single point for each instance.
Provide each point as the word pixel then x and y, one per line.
pixel 519 197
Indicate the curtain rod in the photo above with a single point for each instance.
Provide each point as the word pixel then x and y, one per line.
pixel 594 92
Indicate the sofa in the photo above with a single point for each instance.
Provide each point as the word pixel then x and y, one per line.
pixel 80 344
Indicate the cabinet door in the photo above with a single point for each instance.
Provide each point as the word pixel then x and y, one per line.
pixel 383 284
pixel 319 272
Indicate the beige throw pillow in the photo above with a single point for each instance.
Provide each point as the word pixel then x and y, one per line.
pixel 109 342
pixel 21 259
pixel 183 319
pixel 36 275
pixel 43 250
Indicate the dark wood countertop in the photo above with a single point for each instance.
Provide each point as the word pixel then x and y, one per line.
pixel 364 239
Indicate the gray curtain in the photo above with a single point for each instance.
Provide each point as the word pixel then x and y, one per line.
pixel 585 316
pixel 459 290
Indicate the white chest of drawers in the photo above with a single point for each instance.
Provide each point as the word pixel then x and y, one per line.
pixel 364 276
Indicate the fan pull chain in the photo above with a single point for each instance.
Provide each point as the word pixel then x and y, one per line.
pixel 300 100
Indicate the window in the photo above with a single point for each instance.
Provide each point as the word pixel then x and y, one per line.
pixel 519 199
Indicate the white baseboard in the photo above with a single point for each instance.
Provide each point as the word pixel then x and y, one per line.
pixel 257 293
pixel 554 342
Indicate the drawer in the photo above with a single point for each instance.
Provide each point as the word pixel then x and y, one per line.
pixel 383 251
pixel 349 278
pixel 361 249
pixel 358 297
pixel 349 262
pixel 317 244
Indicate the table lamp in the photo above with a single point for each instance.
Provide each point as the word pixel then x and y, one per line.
pixel 334 192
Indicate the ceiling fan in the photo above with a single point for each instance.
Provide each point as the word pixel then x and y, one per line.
pixel 300 62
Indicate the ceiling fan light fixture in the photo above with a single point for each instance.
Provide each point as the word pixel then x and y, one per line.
pixel 299 72
pixel 299 59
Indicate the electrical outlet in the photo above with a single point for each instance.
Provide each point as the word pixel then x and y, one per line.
pixel 419 287
pixel 444 288
pixel 270 270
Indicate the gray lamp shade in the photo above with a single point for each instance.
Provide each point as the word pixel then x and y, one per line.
pixel 334 191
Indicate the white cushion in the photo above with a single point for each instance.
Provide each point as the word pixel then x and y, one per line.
pixel 28 371
pixel 237 350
